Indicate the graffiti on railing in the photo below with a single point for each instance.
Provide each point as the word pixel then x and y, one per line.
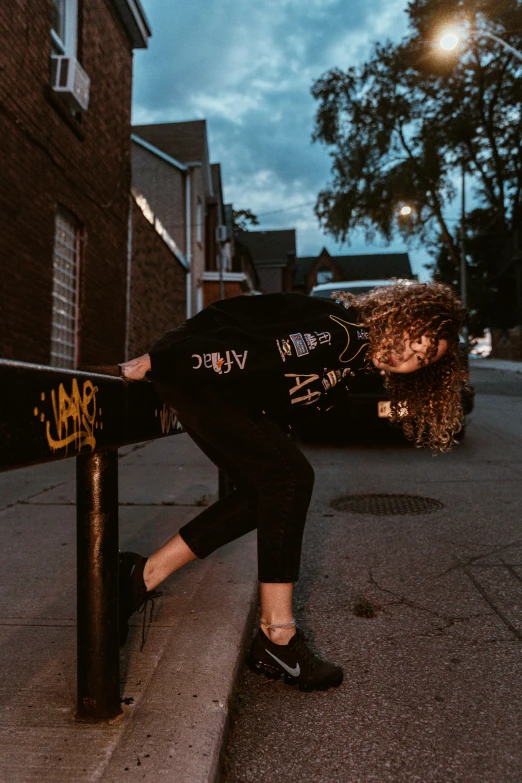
pixel 74 419
pixel 169 420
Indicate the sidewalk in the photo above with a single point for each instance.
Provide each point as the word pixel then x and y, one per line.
pixel 177 691
pixel 495 364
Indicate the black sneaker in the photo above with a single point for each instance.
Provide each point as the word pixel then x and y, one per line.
pixel 134 595
pixel 294 662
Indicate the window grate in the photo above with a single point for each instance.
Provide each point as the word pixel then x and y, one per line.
pixel 65 286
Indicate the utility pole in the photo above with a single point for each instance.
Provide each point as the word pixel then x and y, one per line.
pixel 463 264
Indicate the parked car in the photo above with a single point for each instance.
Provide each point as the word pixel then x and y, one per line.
pixel 369 402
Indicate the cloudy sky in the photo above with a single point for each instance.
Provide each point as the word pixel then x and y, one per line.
pixel 247 66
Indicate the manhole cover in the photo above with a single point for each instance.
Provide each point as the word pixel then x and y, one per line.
pixel 387 505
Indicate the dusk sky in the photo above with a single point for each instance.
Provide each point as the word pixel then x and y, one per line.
pixel 247 68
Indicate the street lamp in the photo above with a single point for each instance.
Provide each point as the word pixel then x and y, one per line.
pixel 405 211
pixel 450 40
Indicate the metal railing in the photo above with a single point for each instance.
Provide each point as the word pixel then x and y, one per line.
pixel 49 414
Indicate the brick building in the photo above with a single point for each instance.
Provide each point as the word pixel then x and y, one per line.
pixel 171 167
pixel 66 175
pixel 273 254
pixel 179 191
pixel 157 280
pixel 309 271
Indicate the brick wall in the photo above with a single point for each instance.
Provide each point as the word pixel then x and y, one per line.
pixel 163 186
pixel 158 286
pixel 47 159
pixel 212 291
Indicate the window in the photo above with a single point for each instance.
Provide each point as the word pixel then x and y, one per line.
pixel 65 290
pixel 64 27
pixel 324 275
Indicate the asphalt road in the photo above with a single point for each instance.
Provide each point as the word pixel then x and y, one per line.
pixel 432 680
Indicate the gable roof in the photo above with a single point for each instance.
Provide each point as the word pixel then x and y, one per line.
pixel 155 151
pixel 367 266
pixel 134 22
pixel 184 141
pixel 269 248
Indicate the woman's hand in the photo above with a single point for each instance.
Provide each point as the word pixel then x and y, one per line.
pixel 135 369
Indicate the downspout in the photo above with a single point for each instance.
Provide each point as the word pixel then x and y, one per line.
pixel 220 253
pixel 129 271
pixel 188 241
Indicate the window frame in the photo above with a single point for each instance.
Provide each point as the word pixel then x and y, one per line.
pixel 69 46
pixel 325 272
pixel 67 359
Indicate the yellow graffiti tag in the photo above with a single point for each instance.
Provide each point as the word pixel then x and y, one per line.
pixel 169 420
pixel 74 417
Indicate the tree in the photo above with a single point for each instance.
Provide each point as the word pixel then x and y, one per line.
pixel 400 126
pixel 243 218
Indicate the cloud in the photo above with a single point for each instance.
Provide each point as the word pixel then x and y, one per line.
pixel 247 68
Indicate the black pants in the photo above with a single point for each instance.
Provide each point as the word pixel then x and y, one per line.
pixel 273 480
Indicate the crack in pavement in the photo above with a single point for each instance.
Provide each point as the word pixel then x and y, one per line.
pixel 485 595
pixel 402 600
pixel 438 631
pixel 471 560
pixel 34 495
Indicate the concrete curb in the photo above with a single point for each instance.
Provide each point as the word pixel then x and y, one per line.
pixel 178 691
pixel 177 729
pixel 495 364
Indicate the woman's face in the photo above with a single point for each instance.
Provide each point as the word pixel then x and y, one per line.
pixel 410 357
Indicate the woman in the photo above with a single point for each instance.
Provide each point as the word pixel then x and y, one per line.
pixel 239 374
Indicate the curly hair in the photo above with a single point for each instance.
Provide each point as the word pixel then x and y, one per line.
pixel 428 402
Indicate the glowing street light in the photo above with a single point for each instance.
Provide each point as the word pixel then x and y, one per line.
pixel 405 211
pixel 449 41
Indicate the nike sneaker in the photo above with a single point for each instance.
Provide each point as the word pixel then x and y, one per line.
pixel 134 596
pixel 295 663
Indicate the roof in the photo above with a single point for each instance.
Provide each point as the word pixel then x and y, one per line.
pixel 183 141
pixel 134 22
pixel 368 266
pixel 269 248
pixel 217 186
pixel 158 152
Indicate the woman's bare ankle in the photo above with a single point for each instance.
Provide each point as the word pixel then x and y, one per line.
pixel 278 635
pixel 149 576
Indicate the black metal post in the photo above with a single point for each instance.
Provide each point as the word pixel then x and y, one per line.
pixel 97 586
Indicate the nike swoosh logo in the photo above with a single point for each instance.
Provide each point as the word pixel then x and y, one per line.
pixel 295 672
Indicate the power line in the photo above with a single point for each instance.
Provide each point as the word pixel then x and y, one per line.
pixel 288 209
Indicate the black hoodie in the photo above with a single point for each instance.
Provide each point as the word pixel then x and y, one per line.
pixel 279 351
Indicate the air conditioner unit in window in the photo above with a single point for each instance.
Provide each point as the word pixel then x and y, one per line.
pixel 221 234
pixel 71 82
